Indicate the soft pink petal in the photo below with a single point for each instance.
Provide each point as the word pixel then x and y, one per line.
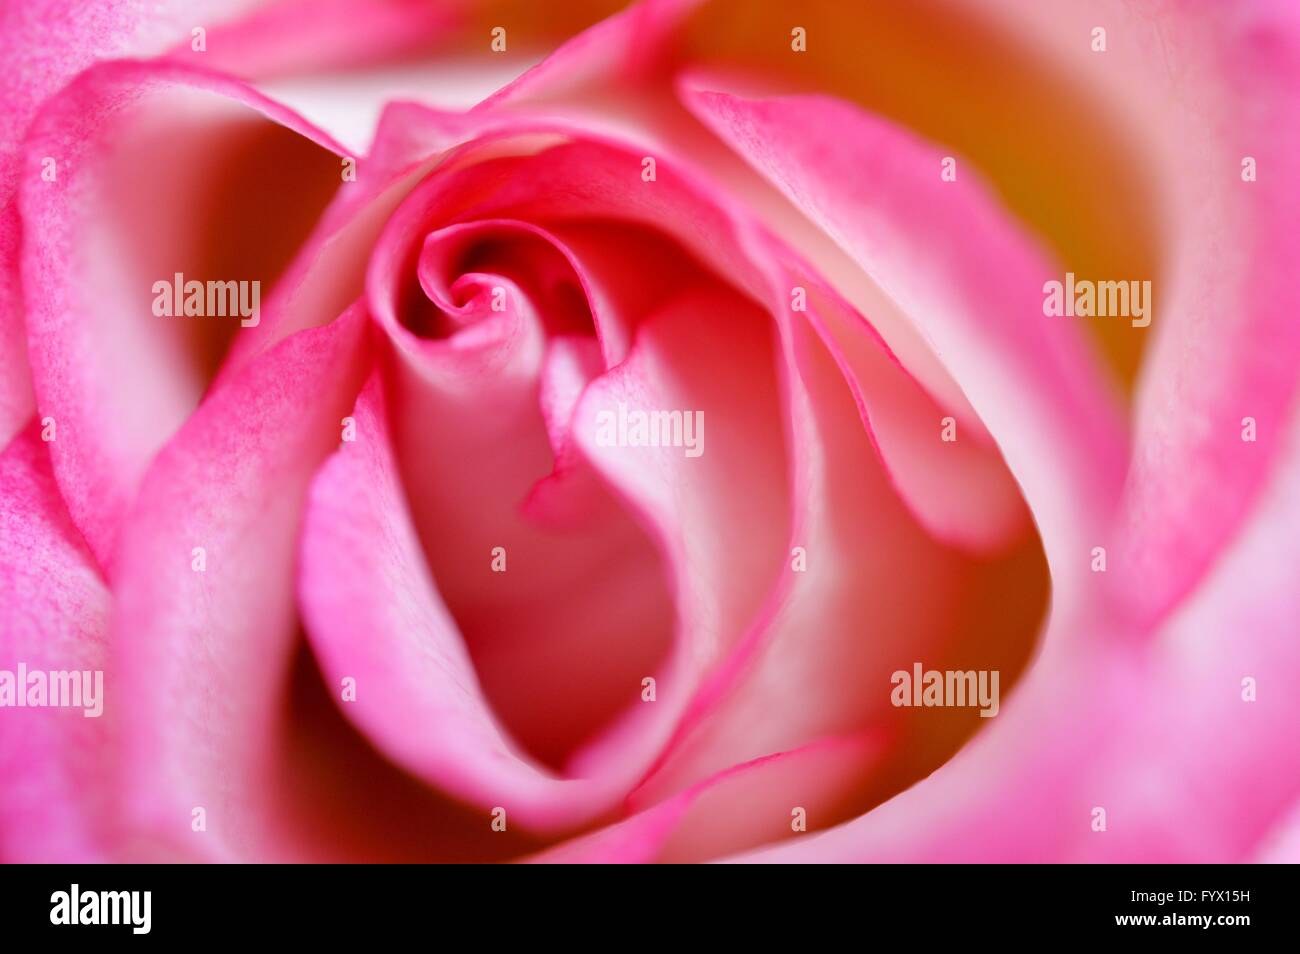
pixel 53 617
pixel 373 615
pixel 1158 734
pixel 205 657
pixel 961 272
pixel 698 822
pixel 440 55
pixel 472 443
pixel 120 217
pixel 1282 845
pixel 1228 344
pixel 707 353
pixel 950 475
pixel 300 36
pixel 1194 89
pixel 869 592
pixel 969 498
pixel 620 78
pixel 620 49
pixel 39 59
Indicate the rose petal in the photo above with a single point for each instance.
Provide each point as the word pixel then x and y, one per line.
pixel 141 152
pixel 966 276
pixel 707 354
pixel 447 55
pixel 373 616
pixel 53 618
pixel 867 592
pixel 954 482
pixel 205 640
pixel 976 503
pixel 696 822
pixel 302 36
pixel 1158 734
pixel 554 677
pixel 606 187
pixel 1228 347
pixel 41 60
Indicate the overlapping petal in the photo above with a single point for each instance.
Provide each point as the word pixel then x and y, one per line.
pixel 54 609
pixel 204 626
pixel 133 144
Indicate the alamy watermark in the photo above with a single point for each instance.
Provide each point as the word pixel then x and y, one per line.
pixel 637 428
pixel 932 687
pixel 102 907
pixel 61 689
pixel 1087 299
pixel 214 299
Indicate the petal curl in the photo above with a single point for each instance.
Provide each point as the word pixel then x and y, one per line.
pixel 373 615
pixel 964 274
pixel 39 60
pixel 139 198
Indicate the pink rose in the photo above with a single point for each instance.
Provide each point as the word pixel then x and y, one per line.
pixel 841 435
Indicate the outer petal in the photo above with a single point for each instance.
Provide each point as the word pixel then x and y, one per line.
pixel 53 617
pixel 1282 846
pixel 304 36
pixel 1040 108
pixel 138 198
pixel 38 60
pixel 1188 765
pixel 448 54
pixel 1229 348
pixel 205 638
